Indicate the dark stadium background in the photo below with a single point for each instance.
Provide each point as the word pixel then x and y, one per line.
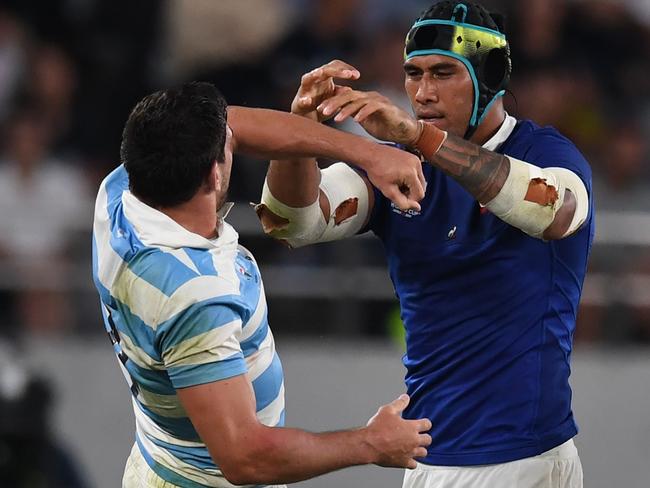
pixel 70 70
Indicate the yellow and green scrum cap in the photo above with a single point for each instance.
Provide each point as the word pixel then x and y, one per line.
pixel 485 52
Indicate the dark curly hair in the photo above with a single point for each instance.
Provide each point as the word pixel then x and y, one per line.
pixel 171 141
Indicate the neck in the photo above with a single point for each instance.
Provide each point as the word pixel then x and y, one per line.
pixel 490 125
pixel 197 215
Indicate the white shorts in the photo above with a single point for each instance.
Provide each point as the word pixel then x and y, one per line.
pixel 557 468
pixel 138 474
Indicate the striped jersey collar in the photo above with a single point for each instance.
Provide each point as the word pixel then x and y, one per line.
pixel 155 229
pixel 502 134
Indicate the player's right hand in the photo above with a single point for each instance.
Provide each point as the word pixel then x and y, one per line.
pixel 397 442
pixel 396 173
pixel 318 85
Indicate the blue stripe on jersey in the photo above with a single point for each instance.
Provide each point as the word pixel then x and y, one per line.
pixel 199 457
pixel 252 344
pixel 166 473
pixel 116 183
pixel 161 269
pixel 198 374
pixel 180 427
pixel 202 261
pixel 141 334
pixel 198 318
pixel 268 384
pixel 123 238
pixel 155 381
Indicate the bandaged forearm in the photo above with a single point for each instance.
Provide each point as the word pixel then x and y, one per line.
pixel 531 197
pixel 347 194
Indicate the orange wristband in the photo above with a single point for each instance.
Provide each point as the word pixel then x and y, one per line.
pixel 430 140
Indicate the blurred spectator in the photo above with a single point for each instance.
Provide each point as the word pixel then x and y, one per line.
pixel 613 42
pixel 12 60
pixel 43 201
pixel 537 34
pixel 30 454
pixel 380 64
pixel 204 33
pixel 621 178
pixel 50 85
pixel 326 30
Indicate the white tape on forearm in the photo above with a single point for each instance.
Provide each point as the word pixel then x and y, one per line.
pixel 307 225
pixel 510 204
pixel 340 182
pixel 304 223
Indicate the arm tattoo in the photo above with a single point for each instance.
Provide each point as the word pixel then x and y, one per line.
pixel 479 171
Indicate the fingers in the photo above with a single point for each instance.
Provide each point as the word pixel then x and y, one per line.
pixel 424 440
pixel 366 112
pixel 350 109
pixel 423 425
pixel 335 103
pixel 335 69
pixel 340 69
pixel 400 403
pixel 415 183
pixel 402 201
pixel 417 188
pixel 304 102
pixel 422 180
pixel 420 452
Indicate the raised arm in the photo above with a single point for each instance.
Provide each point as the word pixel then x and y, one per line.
pixel 279 135
pixel 303 205
pixel 547 203
pixel 247 452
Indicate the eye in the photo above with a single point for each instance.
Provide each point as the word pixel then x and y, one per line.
pixel 443 74
pixel 413 73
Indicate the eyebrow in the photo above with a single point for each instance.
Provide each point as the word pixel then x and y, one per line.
pixel 435 67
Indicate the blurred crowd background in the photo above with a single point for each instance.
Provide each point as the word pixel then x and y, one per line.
pixel 71 70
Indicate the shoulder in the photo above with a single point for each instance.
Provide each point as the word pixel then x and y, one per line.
pixel 546 147
pixel 180 272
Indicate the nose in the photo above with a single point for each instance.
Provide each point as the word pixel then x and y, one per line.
pixel 427 91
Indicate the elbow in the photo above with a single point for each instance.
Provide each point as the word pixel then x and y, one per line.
pixel 251 465
pixel 241 474
pixel 563 222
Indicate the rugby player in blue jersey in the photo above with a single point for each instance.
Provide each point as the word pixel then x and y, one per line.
pixel 488 272
pixel 184 304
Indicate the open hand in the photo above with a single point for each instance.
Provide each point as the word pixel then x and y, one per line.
pixel 396 441
pixel 318 85
pixel 380 117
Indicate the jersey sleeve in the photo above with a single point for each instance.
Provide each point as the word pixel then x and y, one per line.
pixel 551 149
pixel 200 345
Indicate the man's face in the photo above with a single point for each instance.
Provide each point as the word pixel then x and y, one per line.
pixel 224 169
pixel 441 91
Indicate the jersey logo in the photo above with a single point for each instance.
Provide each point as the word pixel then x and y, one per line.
pixel 409 214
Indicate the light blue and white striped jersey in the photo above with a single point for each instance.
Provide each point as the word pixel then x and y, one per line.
pixel 181 310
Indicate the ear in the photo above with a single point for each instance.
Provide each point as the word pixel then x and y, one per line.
pixel 214 178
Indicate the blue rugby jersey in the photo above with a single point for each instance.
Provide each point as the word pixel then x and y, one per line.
pixel 489 313
pixel 187 311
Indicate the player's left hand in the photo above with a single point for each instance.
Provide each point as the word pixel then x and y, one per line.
pixel 377 115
